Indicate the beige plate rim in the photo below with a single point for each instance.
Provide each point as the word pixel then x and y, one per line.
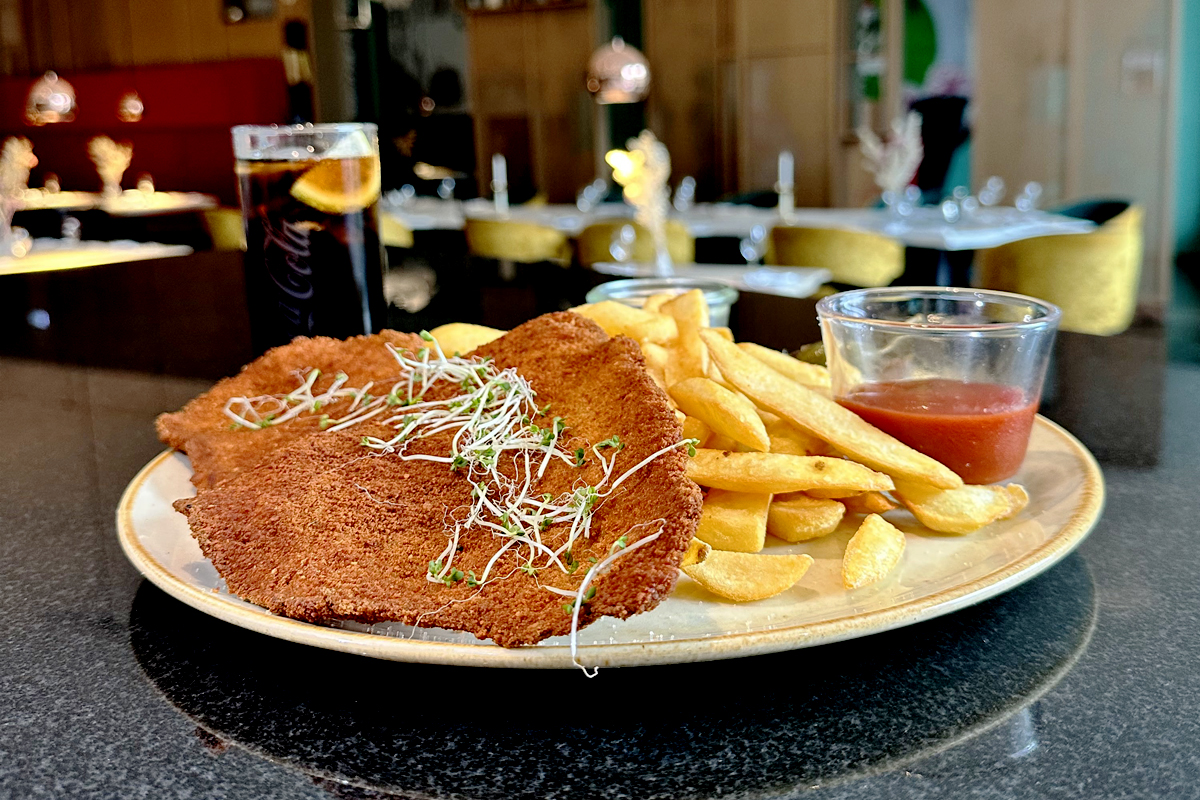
pixel 675 651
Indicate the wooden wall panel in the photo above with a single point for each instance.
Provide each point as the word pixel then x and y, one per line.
pixel 1052 103
pixel 785 56
pixel 781 103
pixel 210 38
pixel 160 32
pixel 527 91
pixel 783 27
pixel 1119 127
pixel 496 51
pixel 558 45
pixel 58 21
pixel 736 81
pixel 684 104
pixel 1019 102
pixel 88 35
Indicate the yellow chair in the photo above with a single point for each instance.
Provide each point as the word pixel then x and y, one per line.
pixel 1092 277
pixel 393 232
pixel 854 257
pixel 520 242
pixel 595 240
pixel 225 228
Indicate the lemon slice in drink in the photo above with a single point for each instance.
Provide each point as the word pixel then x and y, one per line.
pixel 339 185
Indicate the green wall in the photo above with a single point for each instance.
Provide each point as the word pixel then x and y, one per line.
pixel 1187 163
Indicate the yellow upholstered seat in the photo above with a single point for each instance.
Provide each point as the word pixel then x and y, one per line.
pixel 393 232
pixel 854 257
pixel 596 239
pixel 521 242
pixel 225 228
pixel 1092 277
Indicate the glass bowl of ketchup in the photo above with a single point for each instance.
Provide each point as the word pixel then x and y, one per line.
pixel 954 373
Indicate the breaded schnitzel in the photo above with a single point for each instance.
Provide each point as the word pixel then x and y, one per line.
pixel 219 451
pixel 327 529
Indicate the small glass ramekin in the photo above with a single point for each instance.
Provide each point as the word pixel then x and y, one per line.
pixel 954 373
pixel 634 291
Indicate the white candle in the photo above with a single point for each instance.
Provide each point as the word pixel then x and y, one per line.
pixel 786 185
pixel 499 171
pixel 786 170
pixel 500 183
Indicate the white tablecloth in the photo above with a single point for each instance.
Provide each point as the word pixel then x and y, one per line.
pixel 38 200
pixel 426 214
pixel 988 227
pixel 134 203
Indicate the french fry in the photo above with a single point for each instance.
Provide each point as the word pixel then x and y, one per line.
pixel 688 308
pixel 811 375
pixel 652 331
pixel 771 473
pixel 821 417
pixel 714 375
pixel 734 521
pixel 694 428
pixel 690 353
pixel 868 503
pixel 788 439
pixel 618 319
pixel 656 356
pixel 799 518
pixel 659 378
pixel 833 494
pixel 655 301
pixel 725 333
pixel 463 337
pixel 872 552
pixel 744 577
pixel 962 510
pixel 696 553
pixel 721 442
pixel 723 411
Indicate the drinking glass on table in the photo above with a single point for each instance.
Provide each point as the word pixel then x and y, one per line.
pixel 685 194
pixel 754 247
pixel 1027 200
pixel 954 373
pixel 314 259
pixel 624 239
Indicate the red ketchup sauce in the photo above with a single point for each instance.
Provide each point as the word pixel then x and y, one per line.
pixel 979 430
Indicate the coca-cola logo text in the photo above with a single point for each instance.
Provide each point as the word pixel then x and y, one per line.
pixel 286 250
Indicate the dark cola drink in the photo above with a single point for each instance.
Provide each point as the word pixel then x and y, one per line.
pixel 314 260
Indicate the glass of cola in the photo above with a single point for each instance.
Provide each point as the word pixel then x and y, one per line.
pixel 314 259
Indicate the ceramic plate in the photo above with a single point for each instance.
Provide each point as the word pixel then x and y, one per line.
pixel 939 574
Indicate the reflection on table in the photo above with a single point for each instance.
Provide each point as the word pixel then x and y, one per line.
pixel 871 703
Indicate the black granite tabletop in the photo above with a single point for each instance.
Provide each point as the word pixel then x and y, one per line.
pixel 1082 683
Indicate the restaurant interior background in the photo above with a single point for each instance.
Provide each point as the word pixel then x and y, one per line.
pixel 123 295
pixel 1084 98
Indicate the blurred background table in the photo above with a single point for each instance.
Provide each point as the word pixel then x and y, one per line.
pixel 925 227
pixel 40 200
pixel 136 203
pixel 50 255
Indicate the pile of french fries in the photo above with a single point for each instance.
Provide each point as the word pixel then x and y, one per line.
pixel 777 455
